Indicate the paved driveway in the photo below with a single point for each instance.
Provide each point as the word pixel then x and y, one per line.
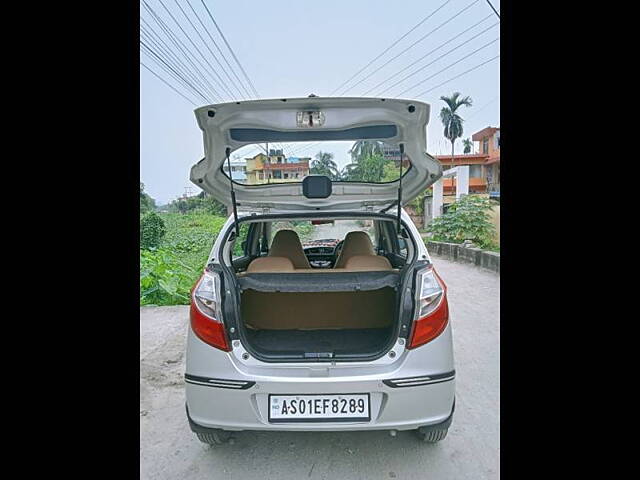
pixel 168 449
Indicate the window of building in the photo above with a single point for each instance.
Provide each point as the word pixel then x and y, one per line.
pixel 475 171
pixel 485 145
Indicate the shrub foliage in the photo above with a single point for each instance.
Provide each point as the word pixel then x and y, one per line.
pixel 152 229
pixel 467 219
pixel 168 272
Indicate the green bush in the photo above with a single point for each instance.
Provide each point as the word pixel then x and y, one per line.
pixel 168 272
pixel 164 279
pixel 467 219
pixel 152 229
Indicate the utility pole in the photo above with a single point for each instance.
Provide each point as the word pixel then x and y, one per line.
pixel 268 162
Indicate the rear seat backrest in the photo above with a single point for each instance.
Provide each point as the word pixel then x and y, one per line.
pixel 367 263
pixel 355 243
pixel 286 243
pixel 270 265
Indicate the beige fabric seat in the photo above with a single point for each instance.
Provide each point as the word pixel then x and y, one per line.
pixel 270 265
pixel 355 243
pixel 367 263
pixel 286 243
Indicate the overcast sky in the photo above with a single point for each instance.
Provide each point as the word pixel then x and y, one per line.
pixel 294 48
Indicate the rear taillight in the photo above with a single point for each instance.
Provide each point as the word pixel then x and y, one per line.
pixel 205 312
pixel 432 309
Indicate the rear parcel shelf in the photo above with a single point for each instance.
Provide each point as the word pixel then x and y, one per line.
pixel 319 282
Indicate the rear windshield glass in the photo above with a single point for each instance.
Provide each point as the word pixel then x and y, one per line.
pixel 323 232
pixel 371 161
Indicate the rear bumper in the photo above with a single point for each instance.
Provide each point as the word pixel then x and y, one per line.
pixel 392 408
pixel 414 390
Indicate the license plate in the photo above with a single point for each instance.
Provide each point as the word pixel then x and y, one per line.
pixel 352 407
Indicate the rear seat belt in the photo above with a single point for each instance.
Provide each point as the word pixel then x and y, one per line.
pixel 265 246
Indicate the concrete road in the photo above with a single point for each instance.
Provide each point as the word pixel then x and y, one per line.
pixel 338 229
pixel 168 449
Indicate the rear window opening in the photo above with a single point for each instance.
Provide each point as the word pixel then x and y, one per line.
pixel 319 289
pixel 370 161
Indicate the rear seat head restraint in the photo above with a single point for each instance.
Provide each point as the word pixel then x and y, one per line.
pixel 286 243
pixel 355 243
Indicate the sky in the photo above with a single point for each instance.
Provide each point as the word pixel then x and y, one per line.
pixel 292 49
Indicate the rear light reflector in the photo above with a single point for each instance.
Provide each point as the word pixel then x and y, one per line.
pixel 432 311
pixel 218 382
pixel 420 381
pixel 205 312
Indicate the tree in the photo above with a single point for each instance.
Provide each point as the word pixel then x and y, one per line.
pixel 324 165
pixel 370 168
pixel 468 145
pixel 146 202
pixel 152 229
pixel 365 148
pixel 391 172
pixel 451 120
pixel 202 202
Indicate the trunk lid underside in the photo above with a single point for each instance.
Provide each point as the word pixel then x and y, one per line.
pixel 234 125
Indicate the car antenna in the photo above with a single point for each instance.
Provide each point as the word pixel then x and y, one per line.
pixel 233 193
pixel 400 186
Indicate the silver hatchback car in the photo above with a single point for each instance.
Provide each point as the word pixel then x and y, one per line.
pixel 319 308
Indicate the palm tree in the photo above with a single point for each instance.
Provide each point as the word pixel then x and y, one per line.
pixel 324 165
pixel 365 148
pixel 451 120
pixel 468 145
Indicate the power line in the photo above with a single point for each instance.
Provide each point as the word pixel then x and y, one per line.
pixel 175 39
pixel 224 70
pixel 494 10
pixel 448 66
pixel 474 114
pixel 219 51
pixel 182 47
pixel 170 56
pixel 390 47
pixel 168 84
pixel 231 50
pixel 220 82
pixel 177 78
pixel 425 55
pixel 411 46
pixel 167 63
pixel 458 76
pixel 436 59
pixel 207 46
pixel 161 60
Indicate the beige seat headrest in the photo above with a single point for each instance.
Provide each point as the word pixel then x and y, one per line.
pixel 355 243
pixel 367 263
pixel 270 264
pixel 286 243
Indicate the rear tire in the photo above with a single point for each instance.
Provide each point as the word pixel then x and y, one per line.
pixel 431 436
pixel 219 437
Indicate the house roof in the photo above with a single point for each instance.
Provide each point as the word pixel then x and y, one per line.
pixel 485 132
pixel 466 159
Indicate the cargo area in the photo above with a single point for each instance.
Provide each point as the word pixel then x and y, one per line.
pixel 331 295
pixel 319 324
